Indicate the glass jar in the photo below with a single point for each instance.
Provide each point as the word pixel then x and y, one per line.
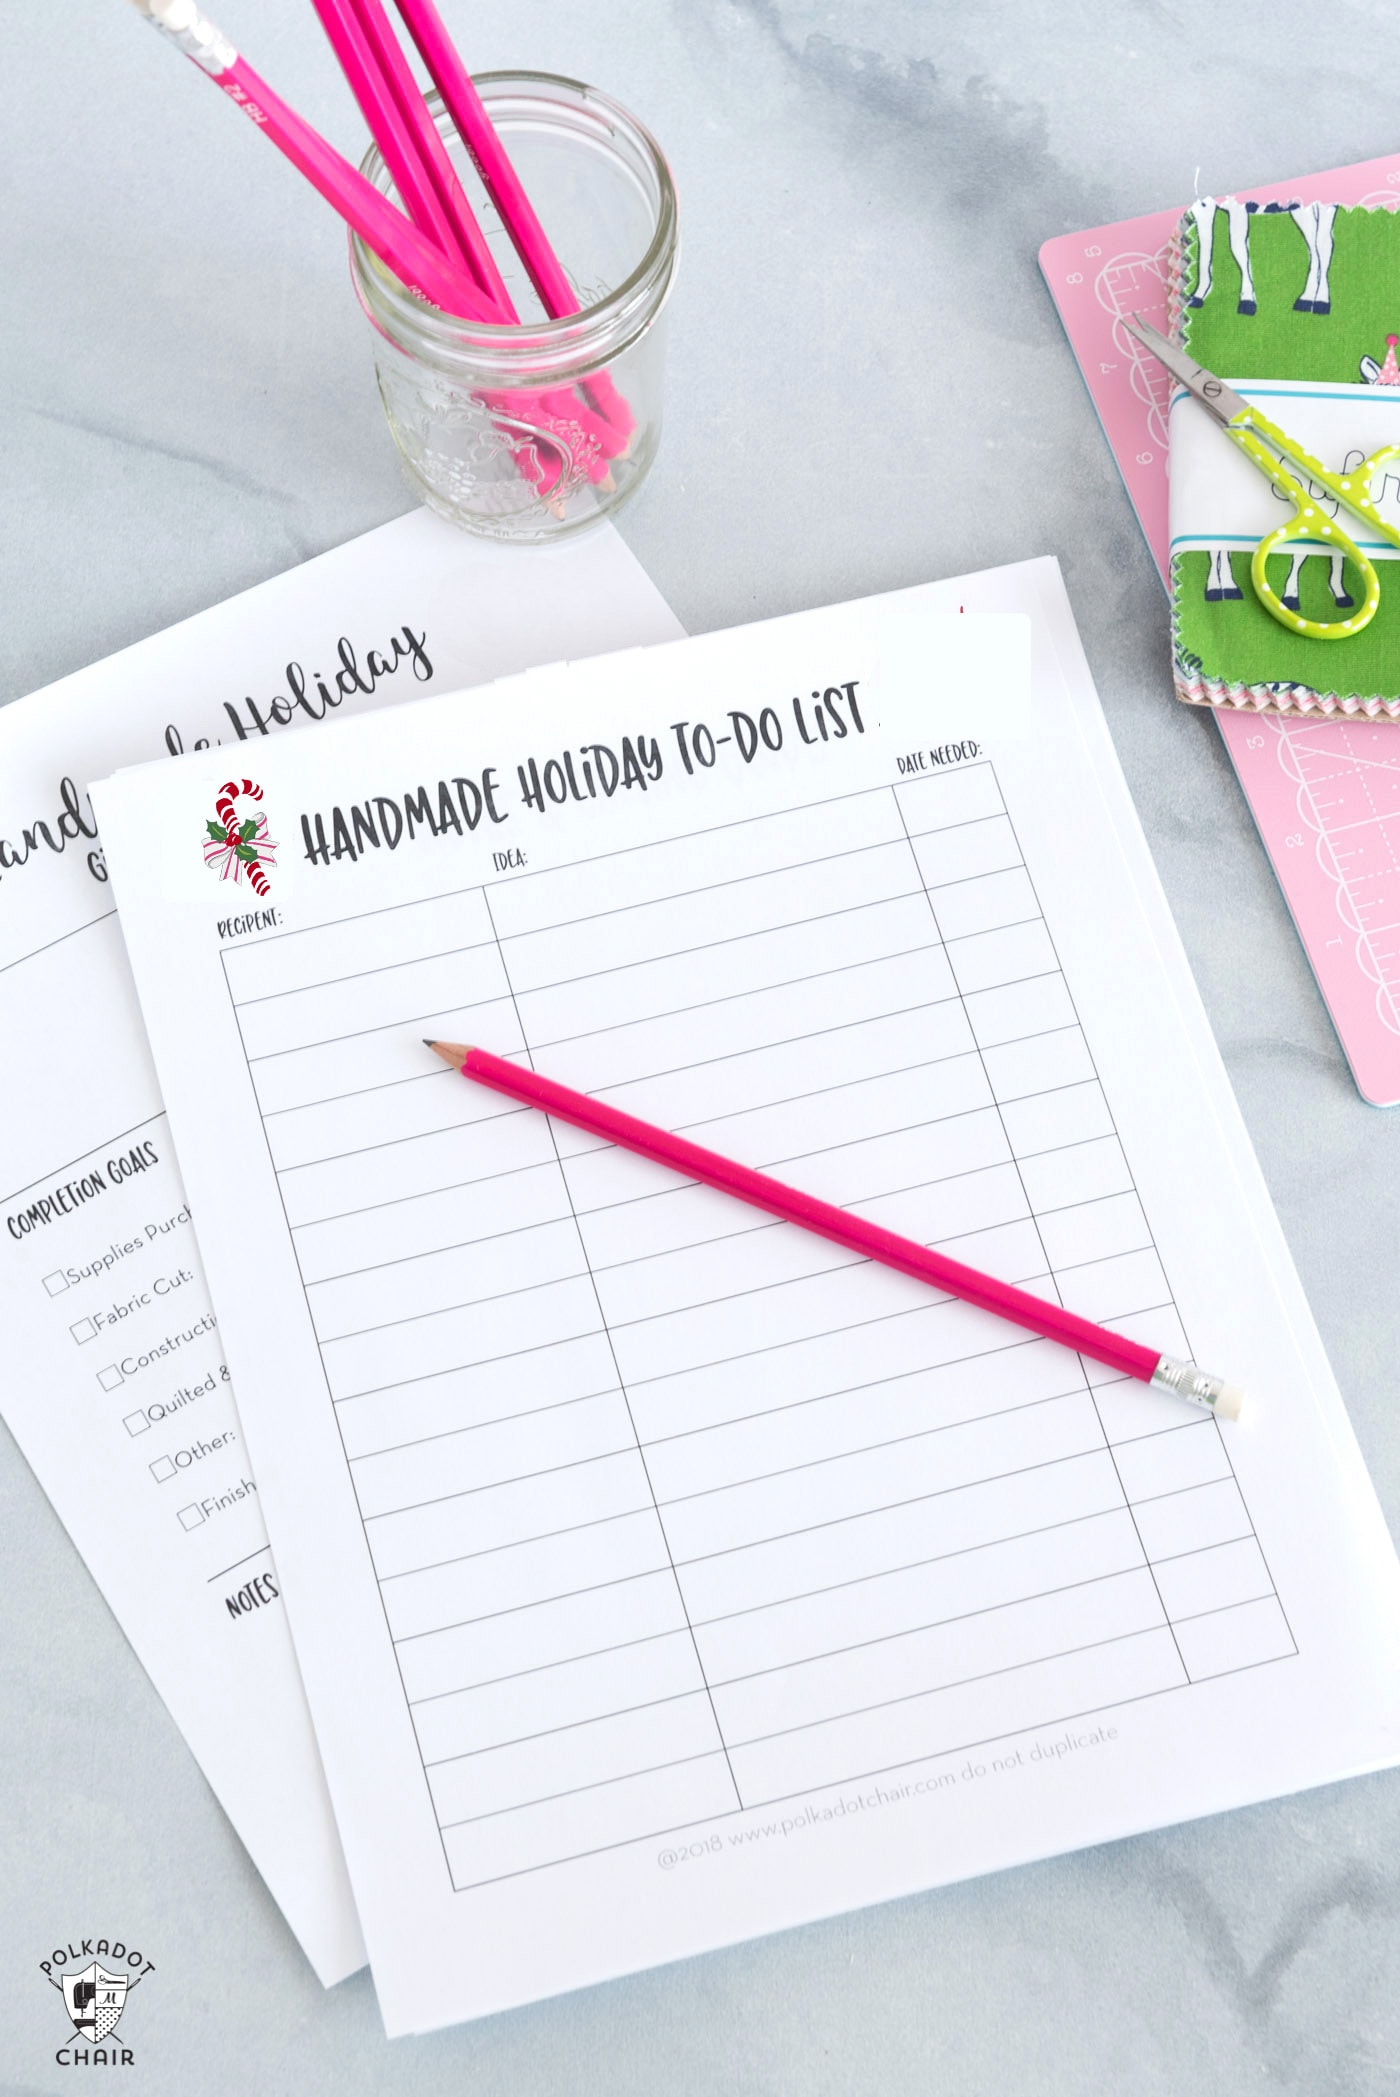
pixel 532 433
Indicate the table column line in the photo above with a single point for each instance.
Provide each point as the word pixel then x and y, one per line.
pixel 1152 1235
pixel 617 1370
pixel 1030 1207
pixel 335 1416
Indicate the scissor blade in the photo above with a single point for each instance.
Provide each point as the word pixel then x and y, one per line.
pixel 1214 395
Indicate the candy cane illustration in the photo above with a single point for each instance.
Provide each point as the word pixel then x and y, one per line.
pixel 232 848
pixel 229 793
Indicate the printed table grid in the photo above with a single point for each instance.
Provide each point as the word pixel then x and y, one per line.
pixel 653 1543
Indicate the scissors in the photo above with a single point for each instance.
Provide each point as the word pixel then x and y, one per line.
pixel 1267 447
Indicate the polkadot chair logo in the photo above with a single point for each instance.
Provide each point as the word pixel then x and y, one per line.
pixel 239 848
pixel 95 1978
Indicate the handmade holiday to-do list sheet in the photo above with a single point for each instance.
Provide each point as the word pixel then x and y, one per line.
pixel 659 1573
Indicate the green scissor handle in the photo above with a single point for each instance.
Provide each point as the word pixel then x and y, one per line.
pixel 1311 522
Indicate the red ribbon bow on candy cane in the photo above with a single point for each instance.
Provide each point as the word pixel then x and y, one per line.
pixel 234 849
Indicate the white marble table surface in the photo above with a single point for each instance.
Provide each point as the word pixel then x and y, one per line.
pixel 868 388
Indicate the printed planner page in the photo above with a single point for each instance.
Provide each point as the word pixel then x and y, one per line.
pixel 661 1573
pixel 117 1384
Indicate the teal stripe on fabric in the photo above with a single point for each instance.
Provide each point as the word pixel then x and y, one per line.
pixel 1381 546
pixel 1362 396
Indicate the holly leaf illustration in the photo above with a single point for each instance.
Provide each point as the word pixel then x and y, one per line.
pixel 216 831
pixel 246 854
pixel 249 830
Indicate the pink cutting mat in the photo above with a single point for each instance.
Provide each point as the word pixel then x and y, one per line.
pixel 1325 795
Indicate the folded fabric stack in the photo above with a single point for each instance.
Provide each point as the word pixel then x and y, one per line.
pixel 1306 298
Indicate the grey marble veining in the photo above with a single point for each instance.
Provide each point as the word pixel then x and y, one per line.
pixel 868 387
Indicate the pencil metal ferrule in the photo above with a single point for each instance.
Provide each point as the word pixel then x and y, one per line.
pixel 193 32
pixel 1185 1380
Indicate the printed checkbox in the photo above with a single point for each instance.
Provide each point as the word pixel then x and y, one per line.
pixel 162 1469
pixel 83 1331
pixel 110 1377
pixel 55 1283
pixel 191 1516
pixel 136 1423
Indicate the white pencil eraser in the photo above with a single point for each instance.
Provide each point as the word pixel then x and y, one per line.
pixel 1228 1404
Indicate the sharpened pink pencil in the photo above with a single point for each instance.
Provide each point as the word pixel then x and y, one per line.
pixel 414 259
pixel 379 107
pixel 464 105
pixel 1051 1320
pixel 390 102
pixel 408 98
